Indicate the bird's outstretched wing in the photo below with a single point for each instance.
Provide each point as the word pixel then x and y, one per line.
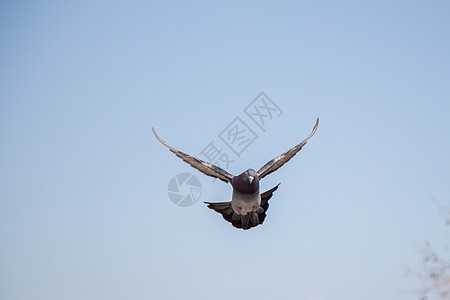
pixel 202 166
pixel 280 160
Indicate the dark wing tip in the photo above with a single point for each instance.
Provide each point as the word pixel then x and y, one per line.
pixel 310 135
pixel 159 139
pixel 313 131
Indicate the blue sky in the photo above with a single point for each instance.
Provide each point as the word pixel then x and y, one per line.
pixel 84 209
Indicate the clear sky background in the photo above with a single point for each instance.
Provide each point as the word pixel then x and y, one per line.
pixel 84 209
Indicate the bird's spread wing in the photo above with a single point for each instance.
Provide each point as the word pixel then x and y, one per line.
pixel 202 166
pixel 280 160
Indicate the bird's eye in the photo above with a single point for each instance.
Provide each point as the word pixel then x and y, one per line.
pixel 254 207
pixel 240 208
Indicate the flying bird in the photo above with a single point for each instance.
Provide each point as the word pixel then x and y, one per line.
pixel 247 207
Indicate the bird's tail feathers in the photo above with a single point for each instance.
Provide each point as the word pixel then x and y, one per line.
pixel 244 221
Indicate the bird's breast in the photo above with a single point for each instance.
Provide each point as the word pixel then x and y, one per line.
pixel 242 204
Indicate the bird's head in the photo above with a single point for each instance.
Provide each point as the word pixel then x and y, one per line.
pixel 249 176
pixel 247 182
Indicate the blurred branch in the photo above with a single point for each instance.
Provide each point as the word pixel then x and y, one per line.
pixel 435 271
pixel 444 211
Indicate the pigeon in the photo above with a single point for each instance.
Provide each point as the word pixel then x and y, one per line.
pixel 247 208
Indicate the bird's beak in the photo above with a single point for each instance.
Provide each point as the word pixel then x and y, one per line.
pixel 251 179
